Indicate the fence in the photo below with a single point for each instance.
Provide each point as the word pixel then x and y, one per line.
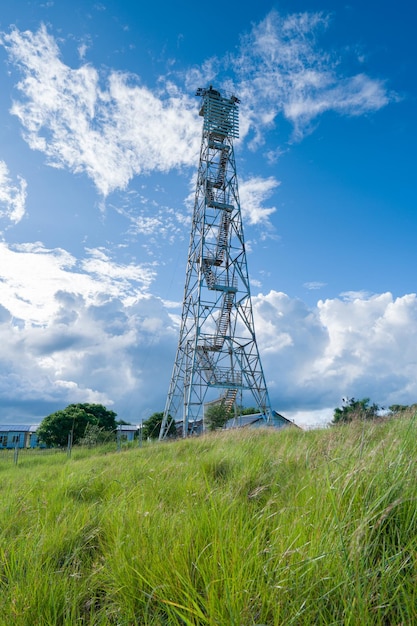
pixel 12 455
pixel 17 455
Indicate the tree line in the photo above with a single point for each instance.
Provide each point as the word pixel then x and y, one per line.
pixel 359 410
pixel 90 424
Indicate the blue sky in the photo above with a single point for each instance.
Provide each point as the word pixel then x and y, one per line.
pixel 99 142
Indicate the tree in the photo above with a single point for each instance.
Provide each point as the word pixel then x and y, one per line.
pixel 355 410
pixel 216 416
pixel 152 426
pixel 54 429
pixel 94 435
pixel 397 409
pixel 248 410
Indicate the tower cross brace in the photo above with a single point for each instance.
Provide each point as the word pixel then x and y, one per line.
pixel 217 355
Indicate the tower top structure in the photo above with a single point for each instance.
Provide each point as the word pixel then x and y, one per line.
pixel 220 113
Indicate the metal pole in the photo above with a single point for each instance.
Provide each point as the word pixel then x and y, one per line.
pixel 69 445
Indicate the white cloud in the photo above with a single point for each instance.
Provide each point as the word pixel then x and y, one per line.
pixel 32 275
pixel 281 70
pixel 361 347
pixel 150 218
pixel 90 330
pixel 82 49
pixel 253 193
pixel 314 284
pixel 79 330
pixel 109 127
pixel 314 418
pixel 355 295
pixel 354 96
pixel 108 353
pixel 12 196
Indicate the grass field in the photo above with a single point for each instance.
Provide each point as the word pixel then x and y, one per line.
pixel 237 528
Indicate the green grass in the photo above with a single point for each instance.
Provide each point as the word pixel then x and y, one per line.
pixel 238 528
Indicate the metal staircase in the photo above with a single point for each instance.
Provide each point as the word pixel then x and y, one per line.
pixel 229 398
pixel 223 320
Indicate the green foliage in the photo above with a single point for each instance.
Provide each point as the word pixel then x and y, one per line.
pixel 216 416
pixel 353 410
pixel 95 435
pixel 244 527
pixel 152 427
pixel 403 408
pixel 54 429
pixel 249 410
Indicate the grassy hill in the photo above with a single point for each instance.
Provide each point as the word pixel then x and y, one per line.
pixel 238 528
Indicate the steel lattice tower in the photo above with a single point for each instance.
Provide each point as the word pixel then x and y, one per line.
pixel 217 353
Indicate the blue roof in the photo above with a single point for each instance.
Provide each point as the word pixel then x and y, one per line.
pixel 18 428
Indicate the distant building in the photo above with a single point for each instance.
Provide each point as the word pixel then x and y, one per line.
pixel 18 436
pixel 257 420
pixel 127 432
pixel 24 435
pixel 194 427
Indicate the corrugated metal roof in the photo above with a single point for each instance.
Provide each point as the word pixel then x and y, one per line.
pixel 18 428
pixel 257 418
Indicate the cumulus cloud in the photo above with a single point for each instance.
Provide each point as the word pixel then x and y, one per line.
pixel 361 347
pixel 108 353
pixel 32 275
pixel 109 127
pixel 12 196
pixel 91 331
pixel 85 331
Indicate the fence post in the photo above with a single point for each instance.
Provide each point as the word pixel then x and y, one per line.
pixel 69 444
pixel 16 454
